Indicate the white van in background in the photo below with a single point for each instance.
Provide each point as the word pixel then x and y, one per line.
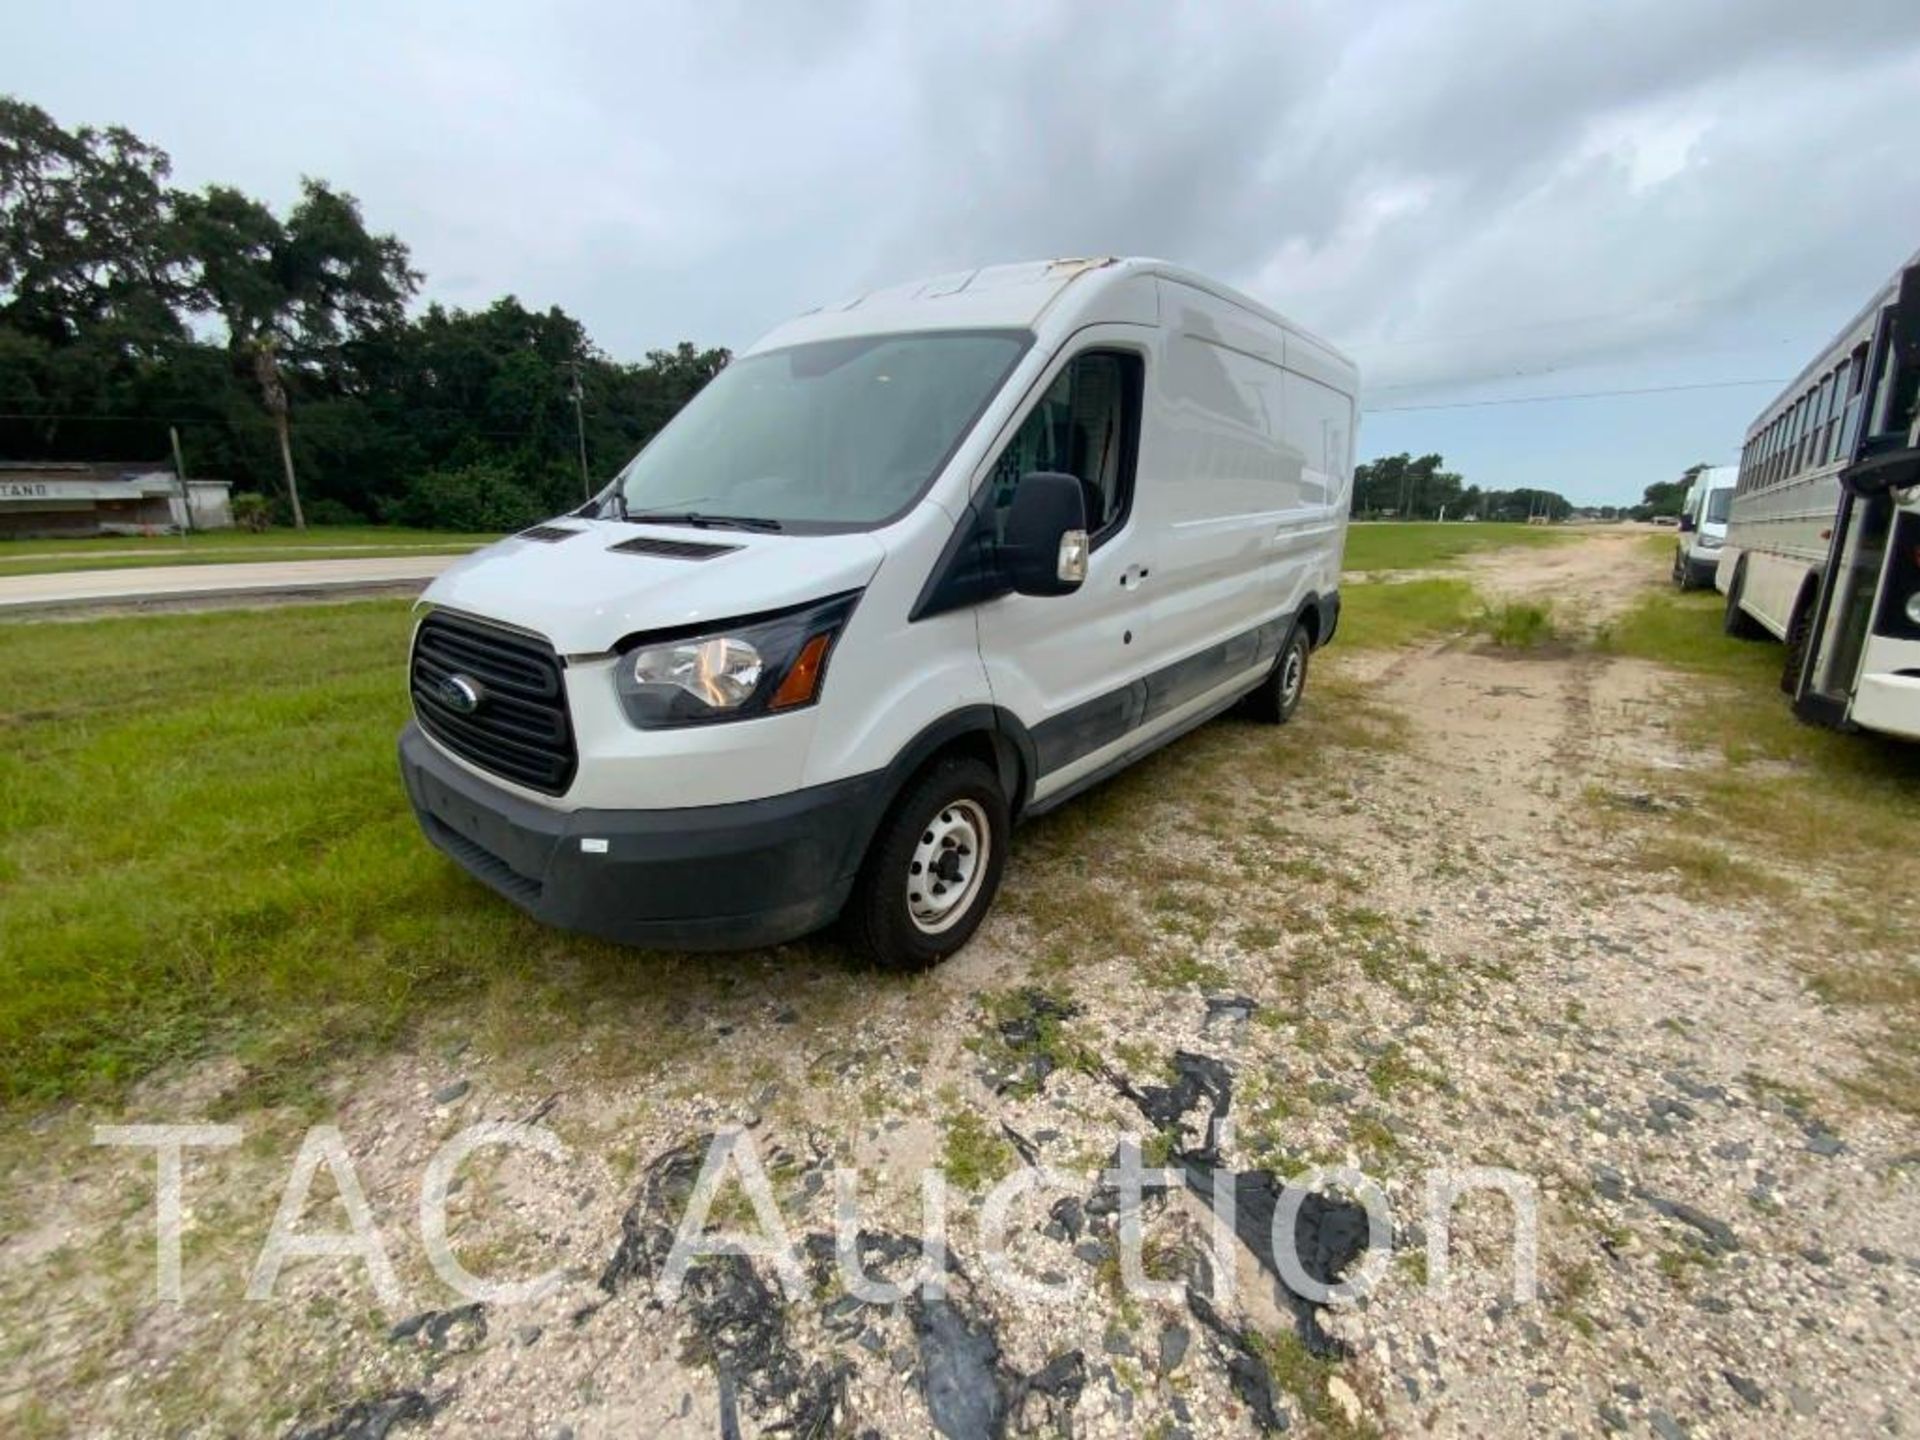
pixel 1703 527
pixel 909 569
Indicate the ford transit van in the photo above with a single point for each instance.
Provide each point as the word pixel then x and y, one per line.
pixel 1703 527
pixel 911 568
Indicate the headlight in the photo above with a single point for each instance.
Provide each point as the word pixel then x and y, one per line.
pixel 1913 607
pixel 756 666
pixel 721 673
pixel 1712 542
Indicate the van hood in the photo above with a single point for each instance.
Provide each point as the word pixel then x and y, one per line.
pixel 585 596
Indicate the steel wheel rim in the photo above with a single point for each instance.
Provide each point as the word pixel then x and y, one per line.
pixel 1293 675
pixel 948 866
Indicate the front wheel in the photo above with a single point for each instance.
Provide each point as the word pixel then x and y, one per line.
pixel 934 867
pixel 1799 641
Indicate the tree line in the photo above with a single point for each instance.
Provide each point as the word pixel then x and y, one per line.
pixel 1408 488
pixel 281 348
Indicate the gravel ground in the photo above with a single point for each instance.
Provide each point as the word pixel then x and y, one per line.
pixel 1405 934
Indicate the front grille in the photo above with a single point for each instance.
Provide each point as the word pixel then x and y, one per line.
pixel 672 549
pixel 520 730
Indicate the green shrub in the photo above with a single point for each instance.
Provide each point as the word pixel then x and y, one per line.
pixel 252 513
pixel 476 497
pixel 1519 625
pixel 332 512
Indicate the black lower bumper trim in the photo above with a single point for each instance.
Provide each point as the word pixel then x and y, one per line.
pixel 714 877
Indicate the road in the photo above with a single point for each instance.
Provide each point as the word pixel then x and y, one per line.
pixel 176 586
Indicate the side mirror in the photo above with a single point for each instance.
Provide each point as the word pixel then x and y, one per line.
pixel 1687 527
pixel 1044 551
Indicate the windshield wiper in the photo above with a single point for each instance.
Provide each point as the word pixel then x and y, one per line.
pixel 702 521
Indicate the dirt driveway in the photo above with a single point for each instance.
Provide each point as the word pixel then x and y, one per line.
pixel 1405 935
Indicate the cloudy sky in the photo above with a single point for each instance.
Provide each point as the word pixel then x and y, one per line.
pixel 1482 202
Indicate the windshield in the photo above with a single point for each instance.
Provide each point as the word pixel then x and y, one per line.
pixel 1719 502
pixel 838 434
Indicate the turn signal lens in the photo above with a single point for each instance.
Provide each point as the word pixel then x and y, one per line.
pixel 803 680
pixel 1071 566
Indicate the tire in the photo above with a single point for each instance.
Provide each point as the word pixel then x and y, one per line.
pixel 1680 573
pixel 1279 695
pixel 953 810
pixel 1737 622
pixel 1799 638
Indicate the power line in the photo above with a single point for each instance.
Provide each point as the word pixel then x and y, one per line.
pixel 1524 326
pixel 1572 364
pixel 307 423
pixel 1572 395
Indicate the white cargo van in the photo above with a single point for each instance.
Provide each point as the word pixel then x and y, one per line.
pixel 1703 527
pixel 911 568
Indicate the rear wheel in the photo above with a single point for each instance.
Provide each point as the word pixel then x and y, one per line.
pixel 1799 638
pixel 1737 622
pixel 934 867
pixel 1280 693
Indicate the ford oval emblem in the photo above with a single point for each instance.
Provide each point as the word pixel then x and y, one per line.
pixel 461 695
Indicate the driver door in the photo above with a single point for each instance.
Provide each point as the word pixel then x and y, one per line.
pixel 1071 667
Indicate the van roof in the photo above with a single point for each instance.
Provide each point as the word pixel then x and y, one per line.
pixel 1020 296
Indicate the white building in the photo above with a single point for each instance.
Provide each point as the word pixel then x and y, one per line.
pixel 76 499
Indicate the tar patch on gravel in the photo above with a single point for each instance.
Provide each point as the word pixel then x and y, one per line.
pixel 1329 1233
pixel 372 1419
pixel 741 1331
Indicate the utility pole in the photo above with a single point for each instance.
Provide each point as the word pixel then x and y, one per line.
pixel 580 432
pixel 180 474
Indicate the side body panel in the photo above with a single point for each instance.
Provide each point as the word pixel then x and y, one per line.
pixel 1238 518
pixel 1783 532
pixel 890 678
pixel 1250 432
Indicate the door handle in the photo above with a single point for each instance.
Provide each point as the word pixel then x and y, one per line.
pixel 1133 575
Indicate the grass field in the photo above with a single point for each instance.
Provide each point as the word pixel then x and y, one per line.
pixel 1781 801
pixel 206 841
pixel 1422 545
pixel 1383 614
pixel 216 547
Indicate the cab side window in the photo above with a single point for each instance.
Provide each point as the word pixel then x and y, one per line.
pixel 1087 424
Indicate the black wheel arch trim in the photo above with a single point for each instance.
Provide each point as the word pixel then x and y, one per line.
pixel 1014 752
pixel 1325 610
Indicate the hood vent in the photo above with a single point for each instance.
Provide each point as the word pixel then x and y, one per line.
pixel 547 534
pixel 672 549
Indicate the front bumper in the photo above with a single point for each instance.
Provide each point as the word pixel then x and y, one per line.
pixel 714 877
pixel 1889 704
